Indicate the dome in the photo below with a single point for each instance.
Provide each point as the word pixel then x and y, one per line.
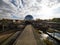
pixel 29 17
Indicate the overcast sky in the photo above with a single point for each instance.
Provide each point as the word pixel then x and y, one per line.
pixel 18 9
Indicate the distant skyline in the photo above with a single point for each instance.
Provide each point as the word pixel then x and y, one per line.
pixel 18 9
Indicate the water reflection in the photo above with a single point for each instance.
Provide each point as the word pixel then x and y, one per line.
pixel 56 35
pixel 48 38
pixel 43 36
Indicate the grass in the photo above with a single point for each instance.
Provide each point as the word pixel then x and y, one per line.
pixel 37 37
pixel 48 42
pixel 4 36
pixel 41 42
pixel 50 30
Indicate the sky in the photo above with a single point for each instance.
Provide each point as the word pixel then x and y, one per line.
pixel 18 9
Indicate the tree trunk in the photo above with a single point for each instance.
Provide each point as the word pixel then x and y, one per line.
pixel 3 28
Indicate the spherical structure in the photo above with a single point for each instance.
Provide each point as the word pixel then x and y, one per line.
pixel 29 17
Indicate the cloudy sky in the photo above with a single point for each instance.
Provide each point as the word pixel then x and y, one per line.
pixel 18 9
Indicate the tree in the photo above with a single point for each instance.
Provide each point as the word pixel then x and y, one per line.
pixel 56 19
pixel 3 22
pixel 38 20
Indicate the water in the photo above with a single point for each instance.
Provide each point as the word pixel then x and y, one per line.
pixel 56 35
pixel 45 36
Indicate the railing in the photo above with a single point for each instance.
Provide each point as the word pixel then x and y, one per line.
pixel 54 37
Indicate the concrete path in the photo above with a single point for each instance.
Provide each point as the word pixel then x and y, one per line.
pixel 27 37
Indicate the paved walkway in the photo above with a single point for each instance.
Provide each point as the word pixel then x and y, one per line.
pixel 27 37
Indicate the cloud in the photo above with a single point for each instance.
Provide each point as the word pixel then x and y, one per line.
pixel 6 9
pixel 57 10
pixel 18 9
pixel 43 8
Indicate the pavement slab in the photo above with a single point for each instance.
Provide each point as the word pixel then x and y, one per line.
pixel 26 37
